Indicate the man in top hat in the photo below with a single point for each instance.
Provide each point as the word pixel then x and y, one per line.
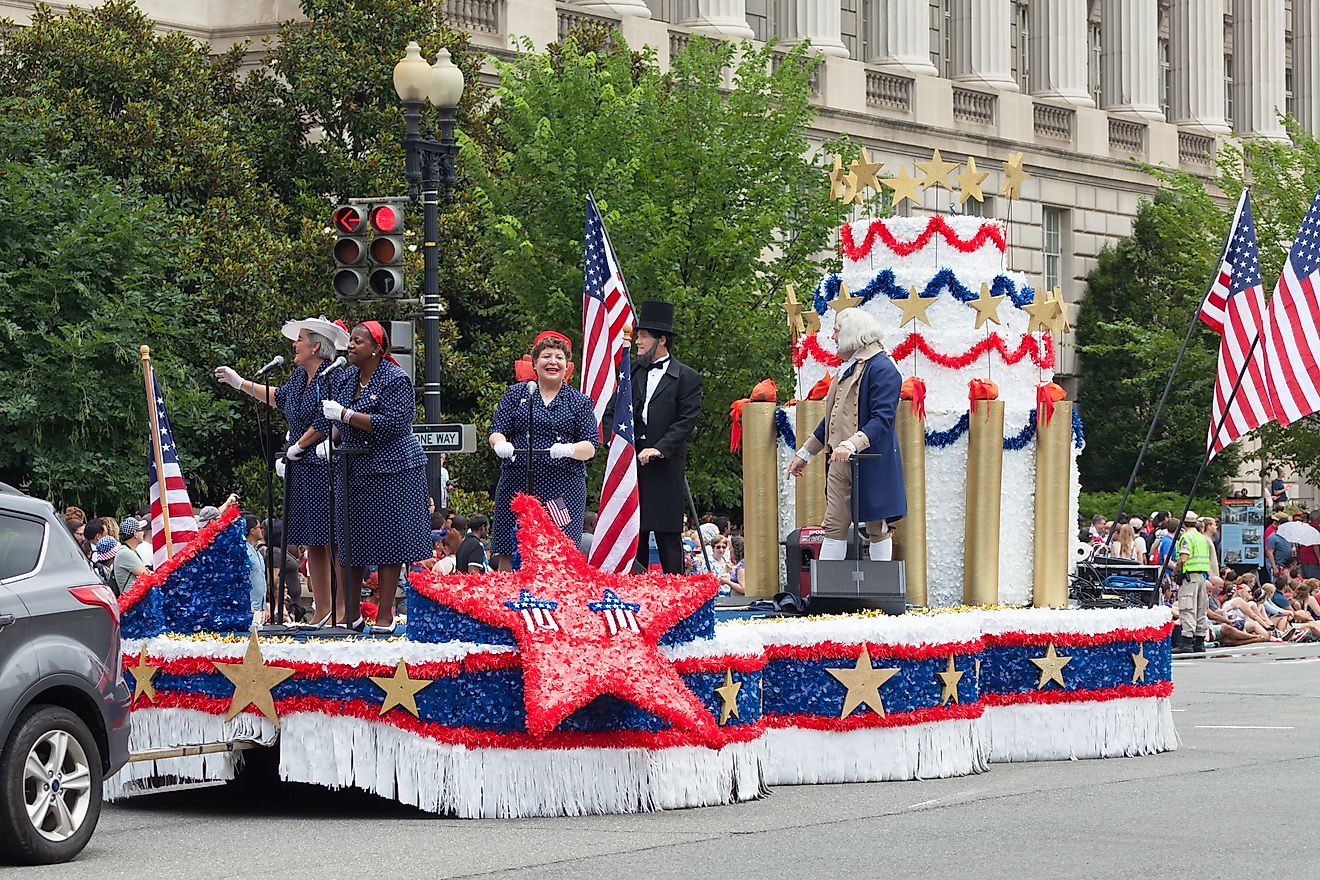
pixel 666 403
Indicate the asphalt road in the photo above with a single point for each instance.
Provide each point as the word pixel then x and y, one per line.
pixel 1238 799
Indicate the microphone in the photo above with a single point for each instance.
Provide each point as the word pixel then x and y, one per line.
pixel 531 386
pixel 277 361
pixel 335 364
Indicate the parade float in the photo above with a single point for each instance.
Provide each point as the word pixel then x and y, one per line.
pixel 561 690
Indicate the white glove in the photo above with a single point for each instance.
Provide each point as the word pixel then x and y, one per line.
pixel 561 450
pixel 322 449
pixel 504 449
pixel 280 467
pixel 228 376
pixel 333 410
pixel 294 452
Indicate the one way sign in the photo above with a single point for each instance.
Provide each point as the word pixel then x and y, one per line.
pixel 446 438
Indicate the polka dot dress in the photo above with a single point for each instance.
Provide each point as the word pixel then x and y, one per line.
pixel 307 513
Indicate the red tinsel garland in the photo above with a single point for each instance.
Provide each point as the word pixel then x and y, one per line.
pixel 155 578
pixel 1099 695
pixel 1040 351
pixel 1017 639
pixel 850 650
pixel 937 223
pixel 951 712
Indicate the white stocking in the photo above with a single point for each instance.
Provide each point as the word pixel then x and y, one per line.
pixel 882 550
pixel 833 548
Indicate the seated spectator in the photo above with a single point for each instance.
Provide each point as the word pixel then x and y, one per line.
pixel 128 566
pixel 735 582
pixel 442 559
pixel 1229 627
pixel 1311 600
pixel 468 552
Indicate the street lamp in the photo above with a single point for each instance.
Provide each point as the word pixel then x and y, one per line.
pixel 430 172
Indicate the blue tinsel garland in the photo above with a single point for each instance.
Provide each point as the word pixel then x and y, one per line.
pixel 1020 440
pixel 211 592
pixel 784 429
pixel 884 285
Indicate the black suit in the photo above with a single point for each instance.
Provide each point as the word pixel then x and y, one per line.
pixel 661 486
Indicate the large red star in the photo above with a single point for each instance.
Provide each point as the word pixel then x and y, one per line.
pixel 572 652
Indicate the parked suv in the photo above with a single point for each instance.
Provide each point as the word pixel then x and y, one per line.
pixel 63 702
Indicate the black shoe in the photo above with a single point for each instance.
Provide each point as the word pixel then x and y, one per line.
pixel 1198 645
pixel 1181 644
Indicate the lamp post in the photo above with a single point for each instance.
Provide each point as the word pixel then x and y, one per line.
pixel 430 172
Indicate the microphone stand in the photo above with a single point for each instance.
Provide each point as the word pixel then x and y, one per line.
pixel 268 458
pixel 531 407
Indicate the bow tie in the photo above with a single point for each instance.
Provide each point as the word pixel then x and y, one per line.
pixel 659 365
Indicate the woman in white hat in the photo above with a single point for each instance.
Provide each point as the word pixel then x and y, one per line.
pixel 307 519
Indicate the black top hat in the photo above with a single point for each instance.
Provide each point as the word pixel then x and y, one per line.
pixel 656 316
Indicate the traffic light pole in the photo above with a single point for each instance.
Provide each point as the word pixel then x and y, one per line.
pixel 431 175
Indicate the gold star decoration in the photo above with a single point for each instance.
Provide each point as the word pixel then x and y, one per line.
pixel 852 191
pixel 1139 663
pixel 1051 667
pixel 904 186
pixel 866 171
pixel 987 306
pixel 400 690
pixel 813 321
pixel 969 183
pixel 793 309
pixel 836 178
pixel 913 307
pixel 1043 311
pixel 949 679
pixel 728 693
pixel 978 673
pixel 844 300
pixel 1060 323
pixel 863 684
pixel 143 675
pixel 253 681
pixel 937 171
pixel 1014 175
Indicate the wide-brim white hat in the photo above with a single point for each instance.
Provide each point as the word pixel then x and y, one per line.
pixel 323 325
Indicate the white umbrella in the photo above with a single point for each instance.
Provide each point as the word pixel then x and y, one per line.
pixel 1301 533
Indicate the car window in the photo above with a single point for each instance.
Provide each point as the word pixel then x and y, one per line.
pixel 20 545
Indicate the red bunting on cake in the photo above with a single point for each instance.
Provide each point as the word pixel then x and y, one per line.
pixel 914 389
pixel 1041 351
pixel 764 392
pixel 878 230
pixel 1047 394
pixel 981 389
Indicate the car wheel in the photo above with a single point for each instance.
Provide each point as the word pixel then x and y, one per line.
pixel 50 787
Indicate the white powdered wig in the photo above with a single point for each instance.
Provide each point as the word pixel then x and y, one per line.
pixel 857 329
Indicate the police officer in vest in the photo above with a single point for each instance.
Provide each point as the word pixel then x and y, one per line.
pixel 1194 555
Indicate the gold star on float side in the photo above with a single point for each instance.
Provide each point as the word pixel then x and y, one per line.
pixel 969 183
pixel 793 309
pixel 863 684
pixel 143 675
pixel 1043 311
pixel 866 171
pixel 987 306
pixel 728 693
pixel 813 321
pixel 836 177
pixel 253 681
pixel 1014 175
pixel 400 690
pixel 903 186
pixel 844 300
pixel 978 673
pixel 1060 323
pixel 949 679
pixel 913 307
pixel 937 171
pixel 1139 663
pixel 1051 667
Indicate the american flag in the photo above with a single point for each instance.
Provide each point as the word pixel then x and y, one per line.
pixel 605 310
pixel 183 525
pixel 1235 308
pixel 1292 332
pixel 619 615
pixel 618 525
pixel 537 614
pixel 557 510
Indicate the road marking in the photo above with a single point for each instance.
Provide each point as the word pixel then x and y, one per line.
pixel 1177 710
pixel 939 799
pixel 1239 727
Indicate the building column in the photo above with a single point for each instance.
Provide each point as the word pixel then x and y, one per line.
pixel 1130 63
pixel 1196 59
pixel 1258 66
pixel 819 22
pixel 1057 48
pixel 903 44
pixel 982 50
pixel 1306 64
pixel 615 8
pixel 723 19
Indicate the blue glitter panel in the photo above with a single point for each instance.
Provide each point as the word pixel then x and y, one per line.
pixel 805 687
pixel 1009 670
pixel 145 619
pixel 211 591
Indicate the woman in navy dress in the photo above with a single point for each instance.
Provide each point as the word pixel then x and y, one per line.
pixel 307 516
pixel 564 422
pixel 387 497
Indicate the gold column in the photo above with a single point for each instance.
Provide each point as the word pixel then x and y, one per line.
pixel 985 461
pixel 760 499
pixel 809 495
pixel 1049 568
pixel 910 533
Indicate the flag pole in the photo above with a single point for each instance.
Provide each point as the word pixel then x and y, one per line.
pixel 145 352
pixel 1173 373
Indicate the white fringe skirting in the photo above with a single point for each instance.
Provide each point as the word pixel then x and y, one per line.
pixel 167 728
pixel 934 750
pixel 1068 731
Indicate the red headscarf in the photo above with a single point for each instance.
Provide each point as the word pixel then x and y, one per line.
pixel 378 334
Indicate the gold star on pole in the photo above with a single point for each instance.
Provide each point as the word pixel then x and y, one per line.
pixel 793 309
pixel 400 690
pixel 728 693
pixel 143 675
pixel 913 307
pixel 987 306
pixel 1044 313
pixel 937 171
pixel 1139 663
pixel 836 178
pixel 1060 324
pixel 863 684
pixel 852 191
pixel 949 679
pixel 844 300
pixel 253 681
pixel 904 186
pixel 1014 176
pixel 813 321
pixel 1051 667
pixel 969 183
pixel 866 171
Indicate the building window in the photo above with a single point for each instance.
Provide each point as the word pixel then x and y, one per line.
pixel 1290 104
pixel 1052 221
pixel 1228 89
pixel 1020 38
pixel 1166 77
pixel 758 18
pixel 973 208
pixel 850 28
pixel 1094 72
pixel 941 36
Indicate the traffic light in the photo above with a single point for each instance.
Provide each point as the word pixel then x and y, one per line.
pixel 369 250
pixel 386 221
pixel 350 225
pixel 403 336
